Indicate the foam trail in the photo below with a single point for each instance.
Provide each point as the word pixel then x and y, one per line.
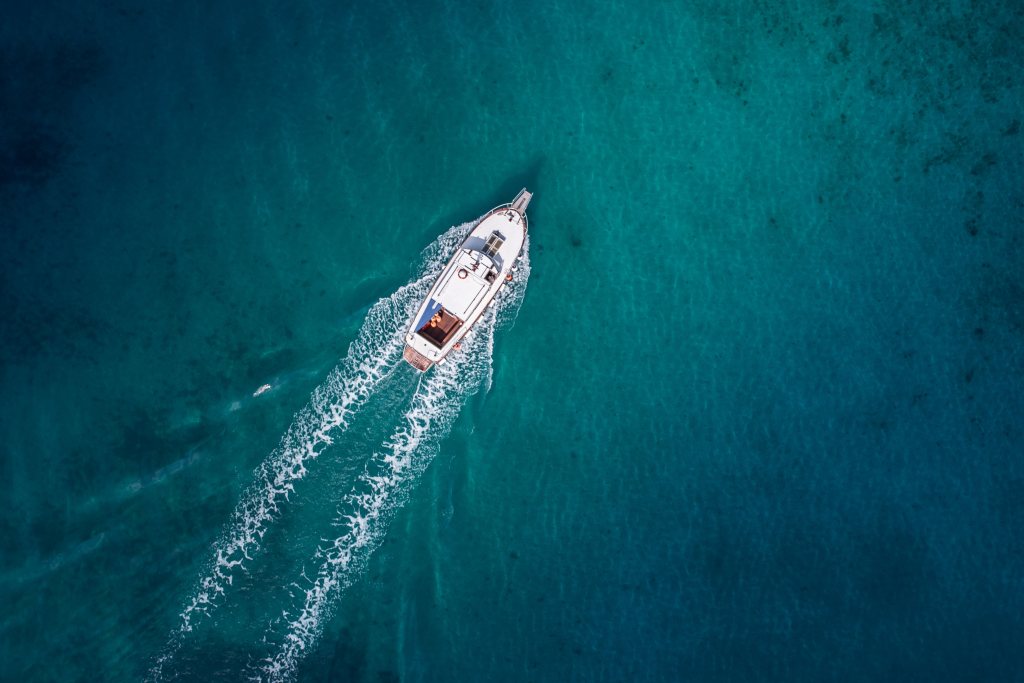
pixel 371 358
pixel 390 475
pixel 382 488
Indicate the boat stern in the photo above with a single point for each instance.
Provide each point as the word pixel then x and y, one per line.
pixel 416 359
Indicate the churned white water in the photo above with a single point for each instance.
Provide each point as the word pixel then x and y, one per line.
pixel 388 476
pixel 391 473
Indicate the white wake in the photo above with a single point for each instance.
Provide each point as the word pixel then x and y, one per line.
pixel 371 358
pixel 391 473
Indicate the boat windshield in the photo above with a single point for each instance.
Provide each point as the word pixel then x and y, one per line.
pixel 493 243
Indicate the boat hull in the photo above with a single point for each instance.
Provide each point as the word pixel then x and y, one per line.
pixel 467 285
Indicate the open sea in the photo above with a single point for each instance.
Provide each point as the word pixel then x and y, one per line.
pixel 752 409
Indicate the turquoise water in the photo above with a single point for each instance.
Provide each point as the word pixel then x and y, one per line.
pixel 749 412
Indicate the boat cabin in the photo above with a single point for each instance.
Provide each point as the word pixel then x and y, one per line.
pixel 459 291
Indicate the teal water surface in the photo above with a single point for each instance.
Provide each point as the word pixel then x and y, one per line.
pixel 749 411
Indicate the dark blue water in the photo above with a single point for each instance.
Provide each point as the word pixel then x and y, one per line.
pixel 751 411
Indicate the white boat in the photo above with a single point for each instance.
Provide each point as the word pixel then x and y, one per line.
pixel 477 271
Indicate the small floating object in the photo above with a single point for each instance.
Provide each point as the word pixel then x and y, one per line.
pixel 262 390
pixel 508 278
pixel 457 346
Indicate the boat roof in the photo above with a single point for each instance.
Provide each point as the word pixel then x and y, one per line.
pixel 465 283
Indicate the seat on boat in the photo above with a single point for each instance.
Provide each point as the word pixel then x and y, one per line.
pixel 446 327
